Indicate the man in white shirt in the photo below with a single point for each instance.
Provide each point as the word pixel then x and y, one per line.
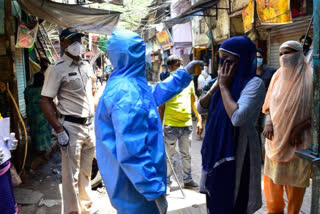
pixel 203 78
pixel 307 50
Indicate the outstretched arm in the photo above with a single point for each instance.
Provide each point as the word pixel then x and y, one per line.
pixel 179 80
pixel 164 91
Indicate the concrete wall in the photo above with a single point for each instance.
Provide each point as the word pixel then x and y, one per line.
pixel 179 6
pixel 236 26
pixel 222 26
pixel 238 4
pixel 198 37
pixel 180 32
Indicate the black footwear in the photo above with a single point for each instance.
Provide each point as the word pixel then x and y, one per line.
pixel 191 185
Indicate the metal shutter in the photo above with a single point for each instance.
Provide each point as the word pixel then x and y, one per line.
pixel 281 34
pixel 21 80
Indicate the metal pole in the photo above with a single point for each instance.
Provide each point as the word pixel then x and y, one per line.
pixel 209 24
pixel 315 202
pixel 175 175
pixel 316 77
pixel 305 36
pixel 312 154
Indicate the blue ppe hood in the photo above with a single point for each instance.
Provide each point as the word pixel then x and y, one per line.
pixel 126 51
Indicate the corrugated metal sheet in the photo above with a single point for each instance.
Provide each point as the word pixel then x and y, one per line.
pixel 21 80
pixel 2 12
pixel 281 34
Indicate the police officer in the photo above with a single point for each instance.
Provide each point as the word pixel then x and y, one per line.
pixel 71 80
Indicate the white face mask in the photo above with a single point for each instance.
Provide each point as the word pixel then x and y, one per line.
pixel 75 49
pixel 206 69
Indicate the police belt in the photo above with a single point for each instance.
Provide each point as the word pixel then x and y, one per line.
pixel 78 120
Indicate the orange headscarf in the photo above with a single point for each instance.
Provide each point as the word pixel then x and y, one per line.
pixel 289 102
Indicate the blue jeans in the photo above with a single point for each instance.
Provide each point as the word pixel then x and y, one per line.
pixel 182 135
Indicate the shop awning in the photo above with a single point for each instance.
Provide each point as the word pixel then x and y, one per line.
pixel 66 15
pixel 195 10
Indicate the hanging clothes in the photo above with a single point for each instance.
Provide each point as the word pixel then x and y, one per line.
pixel 40 129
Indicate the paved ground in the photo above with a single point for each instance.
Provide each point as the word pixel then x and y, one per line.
pixel 47 181
pixel 46 184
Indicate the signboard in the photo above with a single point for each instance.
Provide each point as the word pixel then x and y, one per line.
pixel 247 16
pixel 165 39
pixel 274 11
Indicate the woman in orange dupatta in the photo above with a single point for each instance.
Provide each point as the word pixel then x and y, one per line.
pixel 287 129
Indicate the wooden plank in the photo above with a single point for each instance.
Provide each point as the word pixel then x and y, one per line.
pixel 5 69
pixel 3 50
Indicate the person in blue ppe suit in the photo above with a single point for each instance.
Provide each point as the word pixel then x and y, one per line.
pixel 129 142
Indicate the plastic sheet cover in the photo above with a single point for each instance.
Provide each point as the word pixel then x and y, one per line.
pixel 66 15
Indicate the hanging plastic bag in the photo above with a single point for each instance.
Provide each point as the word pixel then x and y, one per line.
pixel 26 37
pixel 16 180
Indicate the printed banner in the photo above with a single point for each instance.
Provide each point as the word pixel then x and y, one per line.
pixel 248 16
pixel 26 37
pixel 274 11
pixel 165 39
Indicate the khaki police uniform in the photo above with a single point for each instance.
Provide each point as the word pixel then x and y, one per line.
pixel 71 83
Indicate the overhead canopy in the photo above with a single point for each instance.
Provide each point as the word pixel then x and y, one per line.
pixel 194 10
pixel 66 15
pixel 182 19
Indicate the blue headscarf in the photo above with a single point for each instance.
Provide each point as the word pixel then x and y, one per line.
pixel 221 139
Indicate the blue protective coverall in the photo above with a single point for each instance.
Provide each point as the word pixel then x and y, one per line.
pixel 129 140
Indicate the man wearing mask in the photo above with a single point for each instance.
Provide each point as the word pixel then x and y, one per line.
pixel 307 51
pixel 263 71
pixel 71 80
pixel 130 147
pixel 165 72
pixel 204 78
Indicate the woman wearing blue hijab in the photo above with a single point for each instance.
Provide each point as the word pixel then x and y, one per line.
pixel 231 158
